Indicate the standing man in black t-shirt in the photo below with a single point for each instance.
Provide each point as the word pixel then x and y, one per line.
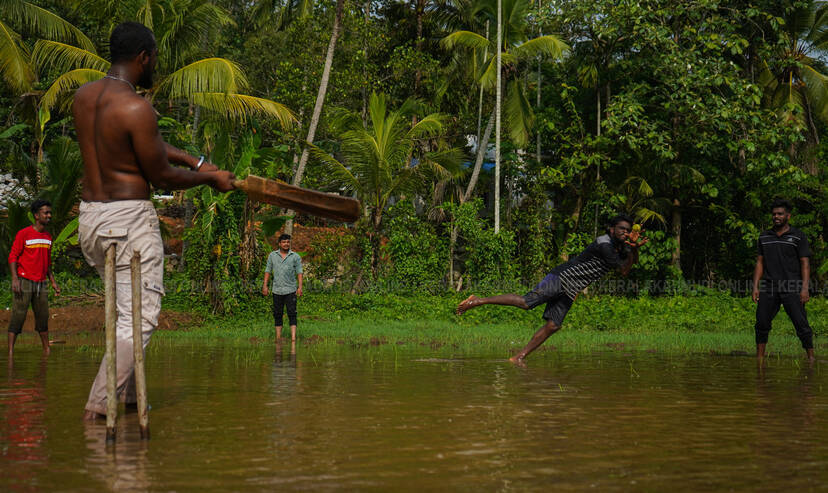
pixel 781 277
pixel 618 249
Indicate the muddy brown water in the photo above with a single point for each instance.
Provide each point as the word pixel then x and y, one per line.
pixel 230 417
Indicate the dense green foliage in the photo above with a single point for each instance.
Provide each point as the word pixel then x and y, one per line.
pixel 690 115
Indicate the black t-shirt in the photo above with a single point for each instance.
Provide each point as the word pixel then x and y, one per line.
pixel 600 257
pixel 781 255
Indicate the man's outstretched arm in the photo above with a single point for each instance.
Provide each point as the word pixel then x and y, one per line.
pixel 151 152
pixel 183 158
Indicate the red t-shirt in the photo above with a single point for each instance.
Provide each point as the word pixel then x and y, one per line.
pixel 32 252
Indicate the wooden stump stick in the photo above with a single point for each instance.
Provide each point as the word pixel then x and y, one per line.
pixel 138 346
pixel 110 305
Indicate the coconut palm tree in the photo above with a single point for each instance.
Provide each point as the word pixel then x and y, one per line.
pixel 18 16
pixel 323 89
pixel 794 83
pixel 216 84
pixel 183 28
pixel 517 52
pixel 388 158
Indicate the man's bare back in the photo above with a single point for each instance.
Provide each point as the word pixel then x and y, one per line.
pixel 103 112
pixel 123 152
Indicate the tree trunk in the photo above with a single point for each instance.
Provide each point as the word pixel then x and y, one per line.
pixel 365 81
pixel 538 102
pixel 189 209
pixel 538 106
pixel 452 243
pixel 676 260
pixel 481 154
pixel 809 160
pixel 248 249
pixel 598 166
pixel 299 120
pixel 498 102
pixel 480 101
pixel 320 98
pixel 419 8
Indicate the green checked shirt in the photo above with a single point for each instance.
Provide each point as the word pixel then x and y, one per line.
pixel 284 271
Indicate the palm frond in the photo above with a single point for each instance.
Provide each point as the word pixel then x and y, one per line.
pixel 430 125
pixel 519 114
pixel 61 57
pixel 14 61
pixel 45 23
pixel 643 189
pixel 488 79
pixel 145 15
pixel 240 107
pixel 445 164
pixel 341 120
pixel 204 76
pixel 185 29
pixel 63 168
pixel 339 173
pixel 588 75
pixel 818 37
pixel 465 39
pixel 66 83
pixel 644 215
pixel 548 45
pixel 817 89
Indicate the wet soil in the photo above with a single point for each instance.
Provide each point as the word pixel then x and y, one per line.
pixel 90 318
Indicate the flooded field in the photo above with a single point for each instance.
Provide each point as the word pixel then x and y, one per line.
pixel 248 417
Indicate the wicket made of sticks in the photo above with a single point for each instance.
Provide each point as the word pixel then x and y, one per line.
pixel 137 345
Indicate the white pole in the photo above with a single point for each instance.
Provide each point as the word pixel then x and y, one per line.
pixel 497 118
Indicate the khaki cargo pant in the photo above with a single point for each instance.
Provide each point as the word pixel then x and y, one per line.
pixel 36 295
pixel 131 225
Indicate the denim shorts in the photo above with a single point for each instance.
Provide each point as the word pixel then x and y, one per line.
pixel 549 291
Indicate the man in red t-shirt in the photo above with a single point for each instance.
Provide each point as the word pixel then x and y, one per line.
pixel 31 265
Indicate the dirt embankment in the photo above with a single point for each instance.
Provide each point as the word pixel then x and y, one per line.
pixel 302 237
pixel 90 318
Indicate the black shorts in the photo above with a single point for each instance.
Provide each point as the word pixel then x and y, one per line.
pixel 549 291
pixel 280 302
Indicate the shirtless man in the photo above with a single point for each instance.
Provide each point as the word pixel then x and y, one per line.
pixel 123 155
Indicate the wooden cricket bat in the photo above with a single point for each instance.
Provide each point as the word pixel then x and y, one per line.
pixel 320 204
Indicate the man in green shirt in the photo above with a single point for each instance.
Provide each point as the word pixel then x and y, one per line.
pixel 286 267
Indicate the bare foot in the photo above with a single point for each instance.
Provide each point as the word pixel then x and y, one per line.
pixel 46 351
pixel 92 415
pixel 518 360
pixel 467 304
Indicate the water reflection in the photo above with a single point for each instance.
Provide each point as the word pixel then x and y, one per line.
pixel 277 416
pixel 23 436
pixel 280 343
pixel 121 466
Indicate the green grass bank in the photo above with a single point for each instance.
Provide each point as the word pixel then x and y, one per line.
pixel 703 322
pixel 694 324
